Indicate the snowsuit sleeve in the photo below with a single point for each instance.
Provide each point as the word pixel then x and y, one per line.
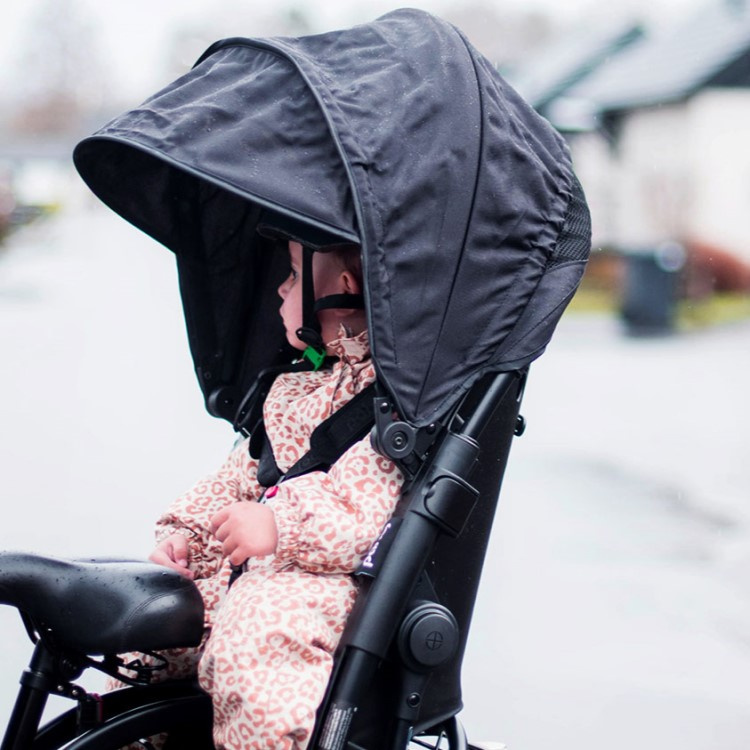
pixel 191 513
pixel 327 522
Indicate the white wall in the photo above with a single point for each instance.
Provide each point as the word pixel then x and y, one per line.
pixel 720 167
pixel 597 172
pixel 678 171
pixel 653 184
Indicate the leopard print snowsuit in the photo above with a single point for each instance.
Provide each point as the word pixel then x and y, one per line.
pixel 267 655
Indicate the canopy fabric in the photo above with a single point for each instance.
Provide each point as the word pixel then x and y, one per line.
pixel 396 134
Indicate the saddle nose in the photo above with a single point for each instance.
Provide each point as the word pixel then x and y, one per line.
pixel 99 607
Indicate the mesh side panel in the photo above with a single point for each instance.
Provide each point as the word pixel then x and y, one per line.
pixel 574 242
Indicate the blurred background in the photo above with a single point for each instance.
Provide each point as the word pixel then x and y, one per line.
pixel 615 604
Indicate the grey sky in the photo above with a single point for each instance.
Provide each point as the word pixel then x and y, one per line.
pixel 133 33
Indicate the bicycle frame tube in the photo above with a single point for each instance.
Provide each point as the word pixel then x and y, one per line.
pixel 38 680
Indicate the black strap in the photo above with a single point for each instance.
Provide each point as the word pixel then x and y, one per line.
pixel 309 331
pixel 328 442
pixel 250 412
pixel 341 302
pixel 268 473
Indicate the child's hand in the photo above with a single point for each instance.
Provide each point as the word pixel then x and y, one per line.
pixel 172 552
pixel 245 529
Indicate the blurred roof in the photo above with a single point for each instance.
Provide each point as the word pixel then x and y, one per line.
pixel 570 60
pixel 627 67
pixel 675 62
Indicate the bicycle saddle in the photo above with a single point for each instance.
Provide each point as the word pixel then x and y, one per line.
pixel 99 607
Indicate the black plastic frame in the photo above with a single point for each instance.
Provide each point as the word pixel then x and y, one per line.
pixel 373 687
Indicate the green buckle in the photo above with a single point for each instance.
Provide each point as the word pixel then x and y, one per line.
pixel 315 356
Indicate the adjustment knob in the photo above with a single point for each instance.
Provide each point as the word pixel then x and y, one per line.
pixel 429 636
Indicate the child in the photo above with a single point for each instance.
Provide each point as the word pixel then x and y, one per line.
pixel 267 653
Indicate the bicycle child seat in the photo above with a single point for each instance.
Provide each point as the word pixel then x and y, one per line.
pixel 474 233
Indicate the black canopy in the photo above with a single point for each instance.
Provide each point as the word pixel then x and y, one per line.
pixel 396 134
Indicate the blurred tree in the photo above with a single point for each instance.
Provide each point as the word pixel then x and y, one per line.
pixel 60 76
pixel 232 18
pixel 505 37
pixel 295 21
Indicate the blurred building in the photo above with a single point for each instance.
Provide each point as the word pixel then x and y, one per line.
pixel 657 123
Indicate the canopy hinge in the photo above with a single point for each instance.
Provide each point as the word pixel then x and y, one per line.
pixel 398 440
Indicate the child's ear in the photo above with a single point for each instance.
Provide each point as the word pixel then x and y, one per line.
pixel 350 283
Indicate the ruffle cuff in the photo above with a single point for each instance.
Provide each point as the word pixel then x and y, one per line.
pixel 288 528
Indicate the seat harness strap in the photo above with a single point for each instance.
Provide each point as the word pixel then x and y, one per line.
pixel 328 442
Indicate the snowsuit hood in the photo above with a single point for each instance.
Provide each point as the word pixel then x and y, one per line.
pixel 395 134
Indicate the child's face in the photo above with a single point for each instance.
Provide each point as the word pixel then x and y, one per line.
pixel 329 277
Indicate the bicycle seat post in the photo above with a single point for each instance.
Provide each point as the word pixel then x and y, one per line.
pixel 38 680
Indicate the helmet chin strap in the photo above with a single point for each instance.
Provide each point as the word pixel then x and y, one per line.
pixel 340 302
pixel 309 332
